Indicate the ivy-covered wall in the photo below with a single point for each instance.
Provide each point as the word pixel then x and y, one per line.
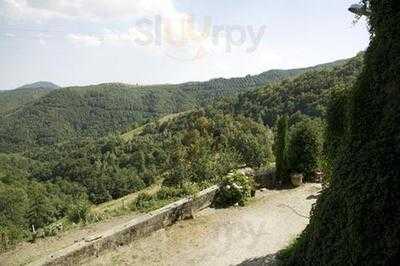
pixel 357 219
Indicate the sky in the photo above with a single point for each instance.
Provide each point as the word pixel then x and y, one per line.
pixel 81 42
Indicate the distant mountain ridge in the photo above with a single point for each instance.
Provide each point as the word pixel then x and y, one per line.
pixel 11 100
pixel 57 115
pixel 40 85
pixel 254 81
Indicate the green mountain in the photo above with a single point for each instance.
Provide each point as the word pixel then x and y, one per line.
pixel 305 95
pixel 13 99
pixel 97 110
pixel 40 85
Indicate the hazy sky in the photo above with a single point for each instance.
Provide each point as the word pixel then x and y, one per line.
pixel 76 42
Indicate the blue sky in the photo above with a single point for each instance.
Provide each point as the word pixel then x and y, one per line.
pixel 80 42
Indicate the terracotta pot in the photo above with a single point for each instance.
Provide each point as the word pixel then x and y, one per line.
pixel 296 179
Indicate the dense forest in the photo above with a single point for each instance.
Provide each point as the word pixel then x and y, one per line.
pixel 52 182
pixel 304 96
pixel 95 111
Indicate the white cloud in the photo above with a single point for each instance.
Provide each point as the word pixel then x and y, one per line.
pixel 178 36
pixel 101 13
pixel 84 40
pixel 21 10
pixel 95 10
pixel 109 37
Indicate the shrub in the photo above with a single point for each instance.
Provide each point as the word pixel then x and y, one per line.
pixel 9 236
pixel 186 189
pixel 305 147
pixel 234 189
pixel 144 202
pixel 254 153
pixel 78 211
pixel 41 211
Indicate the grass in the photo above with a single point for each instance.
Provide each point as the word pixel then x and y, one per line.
pixel 146 202
pixel 124 202
pixel 102 212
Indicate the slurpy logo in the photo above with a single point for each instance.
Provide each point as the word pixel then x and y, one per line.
pixel 183 39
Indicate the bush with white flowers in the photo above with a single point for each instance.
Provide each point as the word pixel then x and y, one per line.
pixel 234 189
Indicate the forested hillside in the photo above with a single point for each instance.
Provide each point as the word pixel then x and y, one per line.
pixel 305 95
pixel 13 99
pixel 185 153
pixel 98 110
pixel 240 85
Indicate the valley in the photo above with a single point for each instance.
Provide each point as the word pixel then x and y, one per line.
pixel 181 153
pixel 54 116
pixel 296 166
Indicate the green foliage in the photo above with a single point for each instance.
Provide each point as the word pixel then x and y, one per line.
pixel 189 152
pixel 187 189
pixel 305 147
pixel 41 210
pixel 146 202
pixel 13 99
pixel 336 129
pixel 56 116
pixel 303 96
pixel 12 205
pixel 78 212
pixel 213 145
pixel 26 204
pixel 234 189
pixel 356 220
pixel 71 152
pixel 280 149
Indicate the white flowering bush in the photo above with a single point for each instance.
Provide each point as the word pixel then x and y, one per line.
pixel 234 189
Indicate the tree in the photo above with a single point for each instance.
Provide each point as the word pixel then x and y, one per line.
pixel 13 206
pixel 280 148
pixel 356 220
pixel 305 146
pixel 141 162
pixel 41 212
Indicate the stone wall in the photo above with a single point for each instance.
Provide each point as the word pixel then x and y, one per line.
pixel 138 227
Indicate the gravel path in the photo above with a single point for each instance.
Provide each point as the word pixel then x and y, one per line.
pixel 224 236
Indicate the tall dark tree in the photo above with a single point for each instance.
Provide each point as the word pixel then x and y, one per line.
pixel 305 147
pixel 356 220
pixel 280 149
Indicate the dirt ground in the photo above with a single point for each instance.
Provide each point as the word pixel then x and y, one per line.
pixel 224 236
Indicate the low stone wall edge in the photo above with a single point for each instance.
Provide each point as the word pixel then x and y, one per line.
pixel 132 230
